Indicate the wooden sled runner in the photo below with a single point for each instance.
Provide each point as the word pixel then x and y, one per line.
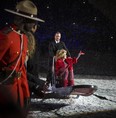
pixel 84 90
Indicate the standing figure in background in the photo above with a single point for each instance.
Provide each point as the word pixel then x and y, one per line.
pixel 55 45
pixel 64 68
pixel 13 52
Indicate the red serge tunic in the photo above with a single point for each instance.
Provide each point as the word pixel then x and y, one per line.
pixel 10 48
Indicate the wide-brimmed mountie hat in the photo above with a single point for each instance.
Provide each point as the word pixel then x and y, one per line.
pixel 27 9
pixel 61 53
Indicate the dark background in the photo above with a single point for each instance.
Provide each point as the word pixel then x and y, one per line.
pixel 88 25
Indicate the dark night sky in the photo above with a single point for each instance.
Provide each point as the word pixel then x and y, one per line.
pixel 83 25
pixel 88 25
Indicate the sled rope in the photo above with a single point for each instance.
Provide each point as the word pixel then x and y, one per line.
pixel 103 98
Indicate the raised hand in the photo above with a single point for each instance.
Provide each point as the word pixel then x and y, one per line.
pixel 80 53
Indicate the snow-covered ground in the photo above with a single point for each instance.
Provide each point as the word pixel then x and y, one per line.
pixel 103 100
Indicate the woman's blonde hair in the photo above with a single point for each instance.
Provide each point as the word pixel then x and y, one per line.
pixel 61 53
pixel 31 44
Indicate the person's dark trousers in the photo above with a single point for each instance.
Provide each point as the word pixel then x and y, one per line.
pixel 35 85
pixel 50 74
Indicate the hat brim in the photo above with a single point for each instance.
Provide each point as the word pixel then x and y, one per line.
pixel 26 16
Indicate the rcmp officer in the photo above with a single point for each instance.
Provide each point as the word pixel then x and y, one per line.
pixel 13 51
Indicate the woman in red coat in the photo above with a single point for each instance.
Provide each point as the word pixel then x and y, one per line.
pixel 64 68
pixel 13 51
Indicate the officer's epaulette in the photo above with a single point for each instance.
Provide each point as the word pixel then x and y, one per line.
pixel 7 30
